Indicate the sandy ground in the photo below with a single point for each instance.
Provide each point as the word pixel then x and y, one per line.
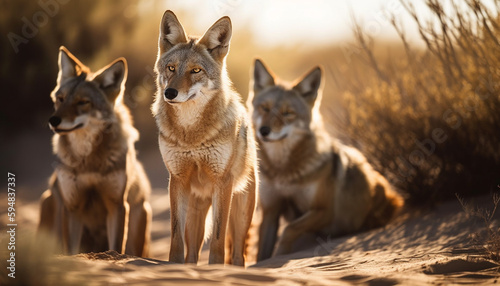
pixel 431 247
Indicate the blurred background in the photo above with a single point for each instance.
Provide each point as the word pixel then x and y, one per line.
pixel 413 84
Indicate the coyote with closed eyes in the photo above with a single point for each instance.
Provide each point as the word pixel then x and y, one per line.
pixel 318 184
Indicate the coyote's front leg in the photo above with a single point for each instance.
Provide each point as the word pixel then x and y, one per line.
pixel 117 226
pixel 221 202
pixel 179 201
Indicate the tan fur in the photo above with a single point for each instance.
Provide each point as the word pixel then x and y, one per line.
pixel 206 142
pixel 318 184
pixel 98 194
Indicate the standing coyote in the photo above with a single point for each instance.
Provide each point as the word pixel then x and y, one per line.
pixel 206 142
pixel 317 183
pixel 98 193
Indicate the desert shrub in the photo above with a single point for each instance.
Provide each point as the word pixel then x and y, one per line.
pixel 487 240
pixel 430 120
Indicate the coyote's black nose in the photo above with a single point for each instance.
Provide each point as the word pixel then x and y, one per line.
pixel 265 130
pixel 55 120
pixel 170 93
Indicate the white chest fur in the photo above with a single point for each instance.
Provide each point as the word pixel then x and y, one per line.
pixel 215 155
pixel 201 163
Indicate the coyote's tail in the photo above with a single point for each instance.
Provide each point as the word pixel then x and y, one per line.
pixel 387 204
pixel 251 240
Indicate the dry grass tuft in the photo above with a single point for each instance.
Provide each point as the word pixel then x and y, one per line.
pixel 488 240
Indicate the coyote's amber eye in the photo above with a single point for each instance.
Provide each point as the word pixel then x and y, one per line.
pixel 264 108
pixel 195 70
pixel 171 68
pixel 83 102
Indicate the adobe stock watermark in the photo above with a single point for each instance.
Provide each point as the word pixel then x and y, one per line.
pixel 32 25
pixel 225 6
pixel 453 118
pixel 373 27
pixel 12 225
pixel 325 247
pixel 146 87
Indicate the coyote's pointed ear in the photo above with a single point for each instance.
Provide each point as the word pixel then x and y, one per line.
pixel 309 85
pixel 262 77
pixel 69 65
pixel 171 32
pixel 111 79
pixel 217 38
